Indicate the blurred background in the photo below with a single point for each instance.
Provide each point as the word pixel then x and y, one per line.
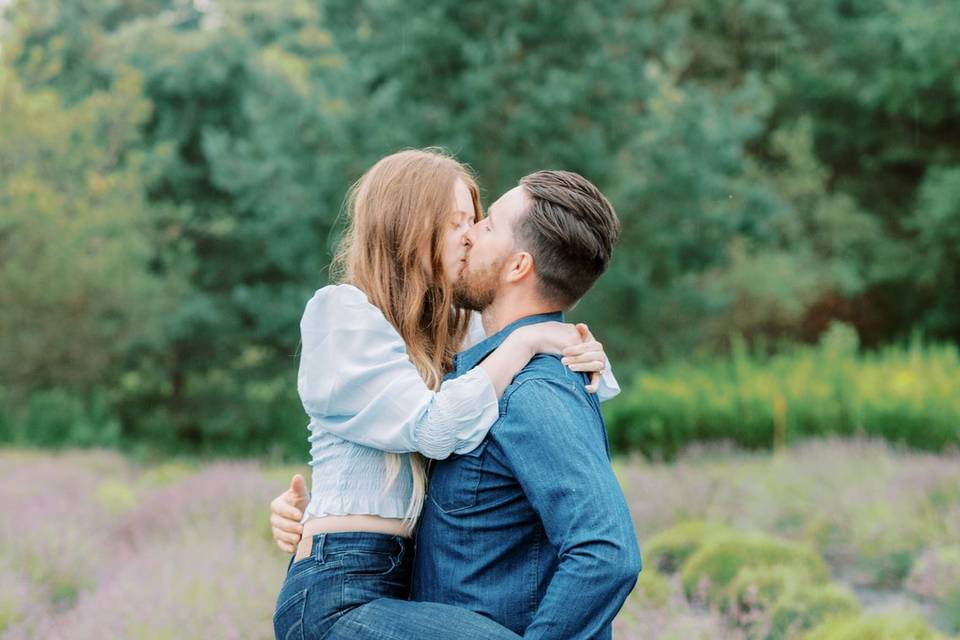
pixel 782 310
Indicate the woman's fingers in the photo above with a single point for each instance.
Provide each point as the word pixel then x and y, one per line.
pixel 586 358
pixel 590 366
pixel 583 347
pixel 594 382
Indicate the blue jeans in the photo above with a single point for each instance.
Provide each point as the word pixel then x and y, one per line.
pixel 355 585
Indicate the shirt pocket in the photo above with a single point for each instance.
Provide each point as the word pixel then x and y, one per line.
pixel 455 483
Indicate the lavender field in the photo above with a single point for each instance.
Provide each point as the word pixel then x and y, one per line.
pixel 863 540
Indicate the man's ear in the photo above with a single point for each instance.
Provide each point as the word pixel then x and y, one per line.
pixel 519 267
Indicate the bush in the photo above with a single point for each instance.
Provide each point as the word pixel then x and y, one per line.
pixel 668 550
pixel 892 626
pixel 803 608
pixel 653 588
pixel 56 418
pixel 936 573
pixel 886 543
pixel 756 590
pixel 936 576
pixel 711 569
pixel 902 394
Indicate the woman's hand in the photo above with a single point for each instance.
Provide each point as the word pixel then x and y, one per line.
pixel 587 356
pixel 580 350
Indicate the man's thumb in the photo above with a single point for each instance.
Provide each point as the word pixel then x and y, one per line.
pixel 298 486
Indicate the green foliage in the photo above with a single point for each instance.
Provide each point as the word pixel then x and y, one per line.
pixel 758 589
pixel 653 588
pixel 807 606
pixel 669 549
pixel 712 568
pixel 172 177
pixel 904 395
pixel 887 545
pixel 891 626
pixel 936 576
pixel 75 283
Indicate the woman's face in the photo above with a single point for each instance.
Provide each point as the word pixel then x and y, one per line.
pixel 453 250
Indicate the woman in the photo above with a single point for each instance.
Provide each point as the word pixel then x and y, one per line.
pixel 374 350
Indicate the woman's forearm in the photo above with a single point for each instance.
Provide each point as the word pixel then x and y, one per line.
pixel 507 360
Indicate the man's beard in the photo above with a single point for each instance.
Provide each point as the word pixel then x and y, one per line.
pixel 476 290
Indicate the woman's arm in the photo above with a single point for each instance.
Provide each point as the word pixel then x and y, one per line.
pixel 586 355
pixel 356 379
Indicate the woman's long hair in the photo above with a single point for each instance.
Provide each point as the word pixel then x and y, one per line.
pixel 398 210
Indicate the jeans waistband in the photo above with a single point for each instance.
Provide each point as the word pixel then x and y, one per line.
pixel 325 544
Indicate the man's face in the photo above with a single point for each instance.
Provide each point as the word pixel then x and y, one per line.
pixel 490 245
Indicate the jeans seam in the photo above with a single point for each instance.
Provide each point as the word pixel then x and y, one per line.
pixel 535 571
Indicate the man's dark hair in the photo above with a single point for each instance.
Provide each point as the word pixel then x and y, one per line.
pixel 569 229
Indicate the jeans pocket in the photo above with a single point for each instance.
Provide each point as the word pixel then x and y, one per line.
pixel 367 563
pixel 288 618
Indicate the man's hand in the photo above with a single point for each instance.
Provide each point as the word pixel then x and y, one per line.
pixel 285 513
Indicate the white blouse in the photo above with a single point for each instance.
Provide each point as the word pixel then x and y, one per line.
pixel 364 396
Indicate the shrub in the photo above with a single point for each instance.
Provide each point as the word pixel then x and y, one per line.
pixel 653 588
pixel 902 394
pixel 667 550
pixel 755 590
pixel 936 573
pixel 714 566
pixel 936 576
pixel 803 608
pixel 891 626
pixel 886 543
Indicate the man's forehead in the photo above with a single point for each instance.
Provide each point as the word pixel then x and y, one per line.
pixel 509 204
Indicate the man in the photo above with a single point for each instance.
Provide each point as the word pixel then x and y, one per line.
pixel 530 528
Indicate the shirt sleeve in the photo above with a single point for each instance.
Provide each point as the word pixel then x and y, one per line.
pixel 608 388
pixel 356 380
pixel 553 441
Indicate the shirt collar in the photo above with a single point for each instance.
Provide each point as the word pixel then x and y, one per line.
pixel 466 360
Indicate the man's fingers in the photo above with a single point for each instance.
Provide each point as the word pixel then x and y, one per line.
pixel 282 506
pixel 285 536
pixel 298 487
pixel 286 524
pixel 288 512
pixel 297 502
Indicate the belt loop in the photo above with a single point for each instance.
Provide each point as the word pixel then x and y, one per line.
pixel 402 548
pixel 318 541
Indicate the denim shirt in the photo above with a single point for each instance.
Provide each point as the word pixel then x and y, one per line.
pixel 531 528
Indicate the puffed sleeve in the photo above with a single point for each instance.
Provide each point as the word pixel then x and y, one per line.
pixel 608 387
pixel 357 381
